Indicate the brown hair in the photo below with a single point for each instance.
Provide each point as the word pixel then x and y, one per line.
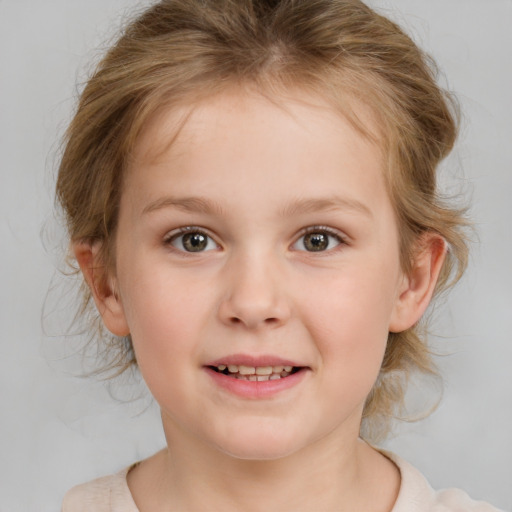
pixel 179 50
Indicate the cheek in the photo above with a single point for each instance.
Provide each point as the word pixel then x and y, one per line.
pixel 166 318
pixel 349 319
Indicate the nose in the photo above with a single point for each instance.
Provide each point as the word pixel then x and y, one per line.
pixel 255 294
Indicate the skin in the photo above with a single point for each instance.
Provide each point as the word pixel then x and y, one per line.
pixel 259 176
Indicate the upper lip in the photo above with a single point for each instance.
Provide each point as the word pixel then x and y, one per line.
pixel 254 361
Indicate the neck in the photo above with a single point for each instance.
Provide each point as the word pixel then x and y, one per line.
pixel 265 485
pixel 338 472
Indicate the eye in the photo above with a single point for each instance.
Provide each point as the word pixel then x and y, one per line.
pixel 191 240
pixel 318 240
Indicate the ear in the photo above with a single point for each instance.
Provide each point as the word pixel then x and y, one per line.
pixel 417 288
pixel 102 286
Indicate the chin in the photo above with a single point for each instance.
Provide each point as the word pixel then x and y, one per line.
pixel 258 453
pixel 261 444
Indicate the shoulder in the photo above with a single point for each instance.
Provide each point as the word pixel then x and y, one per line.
pixel 106 494
pixel 416 494
pixel 459 501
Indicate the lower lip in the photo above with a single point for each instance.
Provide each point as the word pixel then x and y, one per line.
pixel 256 389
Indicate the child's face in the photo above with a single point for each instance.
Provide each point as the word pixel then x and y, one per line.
pixel 262 236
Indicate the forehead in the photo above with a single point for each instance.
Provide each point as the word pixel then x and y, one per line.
pixel 174 129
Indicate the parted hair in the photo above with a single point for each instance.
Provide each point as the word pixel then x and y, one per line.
pixel 181 50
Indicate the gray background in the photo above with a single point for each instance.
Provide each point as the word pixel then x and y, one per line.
pixel 57 430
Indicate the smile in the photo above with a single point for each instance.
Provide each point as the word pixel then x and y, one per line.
pixel 256 377
pixel 255 373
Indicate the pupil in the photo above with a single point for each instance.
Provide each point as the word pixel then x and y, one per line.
pixel 194 242
pixel 316 242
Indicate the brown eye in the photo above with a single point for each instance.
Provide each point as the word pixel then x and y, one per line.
pixel 193 241
pixel 318 241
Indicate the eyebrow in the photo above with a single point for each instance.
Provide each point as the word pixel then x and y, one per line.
pixel 187 204
pixel 207 206
pixel 326 204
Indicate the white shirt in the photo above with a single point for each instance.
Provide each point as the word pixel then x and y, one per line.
pixel 111 494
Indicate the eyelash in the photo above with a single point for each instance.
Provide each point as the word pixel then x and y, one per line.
pixel 322 230
pixel 330 232
pixel 180 232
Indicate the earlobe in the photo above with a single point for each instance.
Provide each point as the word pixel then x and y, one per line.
pixel 418 286
pixel 102 286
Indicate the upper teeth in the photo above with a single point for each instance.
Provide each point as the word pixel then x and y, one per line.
pixel 255 373
pixel 254 370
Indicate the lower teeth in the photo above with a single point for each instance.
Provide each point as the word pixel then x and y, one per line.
pixel 255 377
pixel 260 378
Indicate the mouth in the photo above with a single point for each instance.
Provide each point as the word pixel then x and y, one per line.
pixel 256 373
pixel 260 377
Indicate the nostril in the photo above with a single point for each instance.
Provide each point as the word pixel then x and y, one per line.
pixel 271 321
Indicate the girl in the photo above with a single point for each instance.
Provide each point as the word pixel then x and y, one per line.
pixel 251 196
